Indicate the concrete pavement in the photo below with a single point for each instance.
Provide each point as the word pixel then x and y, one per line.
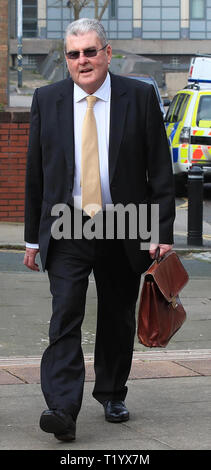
pixel 168 390
pixel 165 414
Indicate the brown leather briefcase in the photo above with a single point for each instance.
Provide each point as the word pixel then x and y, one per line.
pixel 161 312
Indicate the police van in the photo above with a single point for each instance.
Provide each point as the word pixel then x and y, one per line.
pixel 188 122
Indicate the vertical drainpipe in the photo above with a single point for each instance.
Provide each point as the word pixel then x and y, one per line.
pixel 20 37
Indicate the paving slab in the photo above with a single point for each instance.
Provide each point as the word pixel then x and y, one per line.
pixel 27 374
pixel 6 378
pixel 202 367
pixel 165 414
pixel 141 369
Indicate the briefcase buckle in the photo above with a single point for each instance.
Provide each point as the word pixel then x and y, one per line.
pixel 174 302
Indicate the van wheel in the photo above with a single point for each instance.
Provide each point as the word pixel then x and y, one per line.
pixel 180 182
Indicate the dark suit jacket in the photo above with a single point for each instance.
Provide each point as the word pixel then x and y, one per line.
pixel 140 167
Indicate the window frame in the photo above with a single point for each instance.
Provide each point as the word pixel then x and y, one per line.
pixel 33 21
pixel 200 18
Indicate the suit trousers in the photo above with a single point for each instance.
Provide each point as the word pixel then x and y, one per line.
pixel 69 265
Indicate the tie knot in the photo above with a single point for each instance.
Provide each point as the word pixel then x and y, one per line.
pixel 91 100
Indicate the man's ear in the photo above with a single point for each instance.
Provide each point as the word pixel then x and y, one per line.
pixel 109 53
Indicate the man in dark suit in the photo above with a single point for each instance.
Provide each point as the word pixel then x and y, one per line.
pixel 134 168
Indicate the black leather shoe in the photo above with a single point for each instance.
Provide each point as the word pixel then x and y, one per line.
pixel 116 411
pixel 59 423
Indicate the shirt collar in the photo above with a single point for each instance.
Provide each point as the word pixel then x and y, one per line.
pixel 102 93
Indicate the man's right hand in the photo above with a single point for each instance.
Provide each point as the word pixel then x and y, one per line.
pixel 29 259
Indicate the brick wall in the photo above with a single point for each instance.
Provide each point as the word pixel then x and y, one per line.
pixel 3 52
pixel 14 129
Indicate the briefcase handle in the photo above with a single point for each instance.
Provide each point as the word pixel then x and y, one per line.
pixel 157 255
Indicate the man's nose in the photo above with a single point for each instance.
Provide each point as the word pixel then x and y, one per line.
pixel 82 58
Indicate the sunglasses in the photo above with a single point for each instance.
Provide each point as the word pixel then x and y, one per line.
pixel 91 52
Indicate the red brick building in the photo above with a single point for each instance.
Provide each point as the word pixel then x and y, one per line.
pixel 14 129
pixel 14 126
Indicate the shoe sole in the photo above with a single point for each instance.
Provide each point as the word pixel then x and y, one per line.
pixel 117 419
pixel 53 424
pixel 67 437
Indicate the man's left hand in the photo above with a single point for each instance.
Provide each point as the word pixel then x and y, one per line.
pixel 29 259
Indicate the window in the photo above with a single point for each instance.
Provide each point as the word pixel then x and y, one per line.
pixel 177 108
pixel 113 9
pixel 161 19
pixel 29 18
pixel 197 9
pixel 204 109
pixel 175 61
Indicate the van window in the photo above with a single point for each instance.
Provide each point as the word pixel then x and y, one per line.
pixel 204 109
pixel 177 108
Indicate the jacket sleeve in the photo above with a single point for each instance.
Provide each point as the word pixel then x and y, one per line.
pixel 34 177
pixel 159 168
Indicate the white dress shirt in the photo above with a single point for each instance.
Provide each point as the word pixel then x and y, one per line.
pixel 102 116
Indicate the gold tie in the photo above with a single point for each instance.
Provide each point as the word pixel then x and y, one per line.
pixel 90 170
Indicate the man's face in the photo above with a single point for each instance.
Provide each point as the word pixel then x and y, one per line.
pixel 88 72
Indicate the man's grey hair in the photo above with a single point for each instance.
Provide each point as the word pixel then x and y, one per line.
pixel 83 26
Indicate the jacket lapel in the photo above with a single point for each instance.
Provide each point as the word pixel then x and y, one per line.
pixel 66 122
pixel 119 102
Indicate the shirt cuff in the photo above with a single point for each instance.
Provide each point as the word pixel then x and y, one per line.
pixel 32 245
